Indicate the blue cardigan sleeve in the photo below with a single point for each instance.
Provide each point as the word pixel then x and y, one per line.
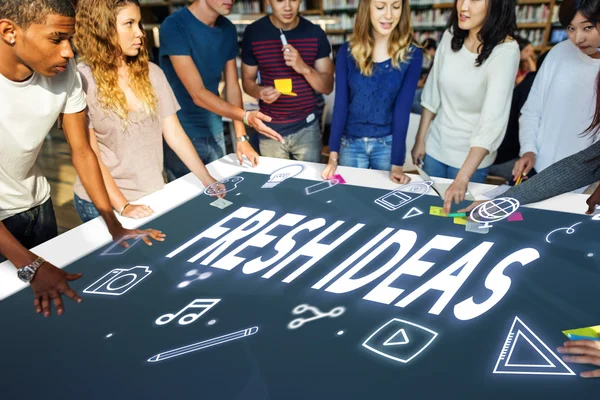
pixel 340 107
pixel 404 102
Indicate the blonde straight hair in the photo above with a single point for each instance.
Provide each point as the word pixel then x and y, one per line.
pixel 362 42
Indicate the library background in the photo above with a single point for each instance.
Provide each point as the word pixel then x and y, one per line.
pixel 537 22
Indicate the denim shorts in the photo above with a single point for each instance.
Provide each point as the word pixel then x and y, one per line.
pixel 85 209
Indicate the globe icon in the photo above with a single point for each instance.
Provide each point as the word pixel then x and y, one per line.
pixel 494 210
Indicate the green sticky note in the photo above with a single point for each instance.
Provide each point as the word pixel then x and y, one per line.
pixel 590 331
pixel 437 211
pixel 460 221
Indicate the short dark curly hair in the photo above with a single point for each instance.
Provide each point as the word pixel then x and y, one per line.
pixel 27 12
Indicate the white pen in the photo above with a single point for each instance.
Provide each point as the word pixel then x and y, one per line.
pixel 204 344
pixel 283 39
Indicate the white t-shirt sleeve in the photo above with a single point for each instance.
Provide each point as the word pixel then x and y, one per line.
pixel 430 98
pixel 531 113
pixel 75 95
pixel 501 72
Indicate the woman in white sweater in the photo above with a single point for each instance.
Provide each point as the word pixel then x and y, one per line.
pixel 466 100
pixel 550 128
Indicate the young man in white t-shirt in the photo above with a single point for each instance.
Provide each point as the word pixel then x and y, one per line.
pixel 39 83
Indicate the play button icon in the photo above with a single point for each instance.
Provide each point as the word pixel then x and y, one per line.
pixel 393 341
pixel 400 340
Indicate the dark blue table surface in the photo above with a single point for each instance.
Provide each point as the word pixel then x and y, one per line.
pixel 100 349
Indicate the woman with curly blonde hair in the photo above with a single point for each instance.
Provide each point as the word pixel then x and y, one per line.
pixel 131 108
pixel 376 79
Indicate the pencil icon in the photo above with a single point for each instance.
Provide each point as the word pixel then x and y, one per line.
pixel 204 344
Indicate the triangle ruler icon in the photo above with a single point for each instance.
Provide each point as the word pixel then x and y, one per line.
pixel 546 361
pixel 397 338
pixel 413 212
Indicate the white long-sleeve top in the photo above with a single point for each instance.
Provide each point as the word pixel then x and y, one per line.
pixel 560 106
pixel 471 103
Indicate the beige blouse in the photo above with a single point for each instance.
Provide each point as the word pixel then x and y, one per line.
pixel 134 153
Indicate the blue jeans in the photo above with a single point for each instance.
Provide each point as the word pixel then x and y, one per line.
pixel 365 152
pixel 304 145
pixel 208 148
pixel 85 209
pixel 34 226
pixel 435 168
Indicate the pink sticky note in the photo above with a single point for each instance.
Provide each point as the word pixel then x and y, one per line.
pixel 515 217
pixel 339 178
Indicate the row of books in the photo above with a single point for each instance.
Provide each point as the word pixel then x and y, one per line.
pixel 346 22
pixel 333 5
pixel 246 7
pixel 533 14
pixel 535 36
pixel 434 18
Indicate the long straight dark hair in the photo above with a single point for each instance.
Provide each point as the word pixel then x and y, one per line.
pixel 590 9
pixel 500 22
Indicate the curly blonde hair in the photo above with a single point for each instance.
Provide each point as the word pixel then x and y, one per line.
pixel 362 42
pixel 97 44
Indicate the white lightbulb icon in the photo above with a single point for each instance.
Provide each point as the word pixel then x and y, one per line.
pixel 282 174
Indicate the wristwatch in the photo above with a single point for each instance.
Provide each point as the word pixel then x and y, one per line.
pixel 243 138
pixel 27 273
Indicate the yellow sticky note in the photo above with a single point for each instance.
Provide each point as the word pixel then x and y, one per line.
pixel 437 211
pixel 460 221
pixel 284 86
pixel 590 331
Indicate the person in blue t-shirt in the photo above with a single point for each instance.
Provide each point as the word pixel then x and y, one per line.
pixel 301 55
pixel 197 46
pixel 376 78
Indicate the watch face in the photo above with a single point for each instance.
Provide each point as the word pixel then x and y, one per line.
pixel 25 274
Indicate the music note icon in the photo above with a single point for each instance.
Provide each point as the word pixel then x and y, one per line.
pixel 199 304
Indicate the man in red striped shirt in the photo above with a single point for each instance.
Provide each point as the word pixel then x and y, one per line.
pixel 285 45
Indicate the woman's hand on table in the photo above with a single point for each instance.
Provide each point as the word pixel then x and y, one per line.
pixel 137 211
pixel 397 175
pixel 220 188
pixel 583 352
pixel 418 152
pixel 331 166
pixel 593 201
pixel 455 193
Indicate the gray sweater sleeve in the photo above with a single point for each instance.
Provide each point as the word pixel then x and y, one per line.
pixel 571 173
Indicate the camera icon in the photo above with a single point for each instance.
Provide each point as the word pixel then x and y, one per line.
pixel 118 281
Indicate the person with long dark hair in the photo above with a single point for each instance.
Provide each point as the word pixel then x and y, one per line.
pixel 550 127
pixel 570 173
pixel 466 100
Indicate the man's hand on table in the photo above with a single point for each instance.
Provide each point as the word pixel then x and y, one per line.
pixel 49 284
pixel 245 149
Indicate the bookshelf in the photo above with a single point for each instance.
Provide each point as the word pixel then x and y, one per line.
pixel 536 19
